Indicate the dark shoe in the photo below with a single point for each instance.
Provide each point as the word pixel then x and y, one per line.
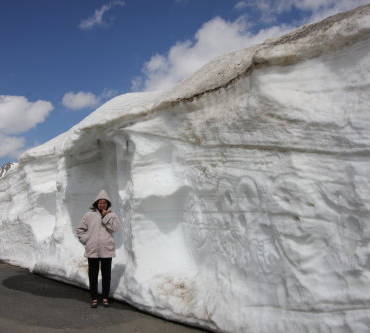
pixel 94 303
pixel 105 302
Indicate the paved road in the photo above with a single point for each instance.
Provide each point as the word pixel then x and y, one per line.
pixel 30 303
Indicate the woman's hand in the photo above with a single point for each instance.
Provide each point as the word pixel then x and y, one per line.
pixel 104 212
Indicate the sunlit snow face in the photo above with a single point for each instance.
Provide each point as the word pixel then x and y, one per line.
pixel 102 204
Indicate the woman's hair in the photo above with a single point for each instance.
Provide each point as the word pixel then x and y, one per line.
pixel 95 204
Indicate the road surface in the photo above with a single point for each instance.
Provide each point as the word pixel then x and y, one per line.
pixel 30 303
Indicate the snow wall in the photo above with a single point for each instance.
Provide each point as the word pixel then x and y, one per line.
pixel 244 192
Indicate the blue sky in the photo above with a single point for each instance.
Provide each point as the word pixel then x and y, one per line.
pixel 60 60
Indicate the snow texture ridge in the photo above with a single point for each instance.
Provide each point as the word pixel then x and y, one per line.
pixel 244 192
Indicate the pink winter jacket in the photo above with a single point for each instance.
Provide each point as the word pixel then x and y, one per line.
pixel 96 234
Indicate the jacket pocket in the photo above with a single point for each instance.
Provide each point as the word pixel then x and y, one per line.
pixel 90 247
pixel 109 244
pixel 83 239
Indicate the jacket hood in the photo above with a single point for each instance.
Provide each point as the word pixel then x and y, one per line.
pixel 102 195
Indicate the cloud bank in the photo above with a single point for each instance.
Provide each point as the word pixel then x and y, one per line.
pixel 219 36
pixel 79 100
pixel 214 38
pixel 270 10
pixel 11 146
pixel 82 100
pixel 18 115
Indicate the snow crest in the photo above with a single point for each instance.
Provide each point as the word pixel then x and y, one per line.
pixel 244 192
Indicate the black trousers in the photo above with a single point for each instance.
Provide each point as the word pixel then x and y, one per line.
pixel 106 267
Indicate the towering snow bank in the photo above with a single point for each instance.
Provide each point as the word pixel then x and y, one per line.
pixel 244 192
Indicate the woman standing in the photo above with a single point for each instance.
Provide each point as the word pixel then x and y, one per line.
pixel 95 232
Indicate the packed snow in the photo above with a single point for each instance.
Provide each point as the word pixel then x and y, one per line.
pixel 244 192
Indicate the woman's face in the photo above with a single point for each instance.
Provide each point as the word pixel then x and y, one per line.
pixel 102 204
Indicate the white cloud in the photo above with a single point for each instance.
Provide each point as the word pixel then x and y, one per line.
pixel 315 9
pixel 11 146
pixel 156 63
pixel 337 5
pixel 98 17
pixel 324 8
pixel 79 100
pixel 137 83
pixel 108 93
pixel 241 5
pixel 214 38
pixel 219 36
pixel 18 115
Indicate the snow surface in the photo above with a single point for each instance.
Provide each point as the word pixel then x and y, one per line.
pixel 244 192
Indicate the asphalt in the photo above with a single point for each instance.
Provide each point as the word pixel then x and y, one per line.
pixel 31 303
